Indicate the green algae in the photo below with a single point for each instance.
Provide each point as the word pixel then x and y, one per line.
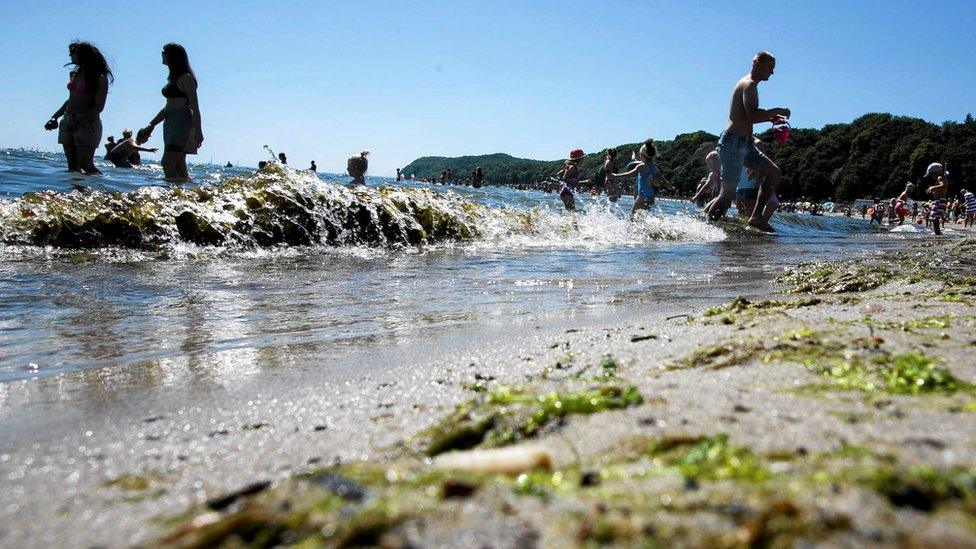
pixel 722 355
pixel 743 305
pixel 928 322
pixel 711 458
pixel 904 374
pixel 505 416
pixel 834 278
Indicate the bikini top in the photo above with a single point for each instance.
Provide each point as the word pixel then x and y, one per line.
pixel 172 91
pixel 77 84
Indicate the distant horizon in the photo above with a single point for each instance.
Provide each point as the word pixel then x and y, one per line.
pixel 406 81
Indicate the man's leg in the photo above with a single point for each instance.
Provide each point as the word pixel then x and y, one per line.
pixel 768 175
pixel 771 207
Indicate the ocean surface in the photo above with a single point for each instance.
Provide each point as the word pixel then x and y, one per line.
pixel 124 269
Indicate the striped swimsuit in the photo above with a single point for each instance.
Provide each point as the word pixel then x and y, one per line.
pixel 938 209
pixel 970 202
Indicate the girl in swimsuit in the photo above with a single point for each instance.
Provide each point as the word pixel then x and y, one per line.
pixel 182 131
pixel 647 174
pixel 609 168
pixel 901 203
pixel 569 179
pixel 80 132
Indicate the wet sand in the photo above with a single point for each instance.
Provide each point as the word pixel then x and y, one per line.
pixel 127 455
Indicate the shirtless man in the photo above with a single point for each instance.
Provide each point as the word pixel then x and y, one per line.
pixel 736 148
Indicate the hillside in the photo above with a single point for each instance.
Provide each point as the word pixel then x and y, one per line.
pixel 872 156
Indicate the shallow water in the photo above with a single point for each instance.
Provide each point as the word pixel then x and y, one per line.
pixel 164 296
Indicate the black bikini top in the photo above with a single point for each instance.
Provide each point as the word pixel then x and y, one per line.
pixel 171 91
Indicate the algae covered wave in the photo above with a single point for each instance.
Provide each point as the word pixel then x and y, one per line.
pixel 276 207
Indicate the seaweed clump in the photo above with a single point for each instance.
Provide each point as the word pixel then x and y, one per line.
pixel 506 415
pixel 829 278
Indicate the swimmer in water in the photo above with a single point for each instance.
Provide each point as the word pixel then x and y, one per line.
pixel 356 167
pixel 80 131
pixel 122 153
pixel 737 149
pixel 648 174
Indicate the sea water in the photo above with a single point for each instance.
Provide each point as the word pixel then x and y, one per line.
pixel 125 269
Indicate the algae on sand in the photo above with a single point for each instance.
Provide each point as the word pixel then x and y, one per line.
pixel 823 277
pixel 506 415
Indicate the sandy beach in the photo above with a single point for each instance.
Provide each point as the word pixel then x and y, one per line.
pixel 840 413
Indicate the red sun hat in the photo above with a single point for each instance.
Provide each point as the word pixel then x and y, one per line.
pixel 576 154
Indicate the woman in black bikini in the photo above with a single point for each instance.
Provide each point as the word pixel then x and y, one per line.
pixel 80 132
pixel 182 131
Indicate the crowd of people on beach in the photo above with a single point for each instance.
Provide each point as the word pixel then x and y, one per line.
pixel 740 170
pixel 935 213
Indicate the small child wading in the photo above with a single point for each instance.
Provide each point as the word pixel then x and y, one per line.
pixel 647 174
pixel 938 191
pixel 569 179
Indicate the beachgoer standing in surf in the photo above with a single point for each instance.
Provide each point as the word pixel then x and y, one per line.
pixel 969 201
pixel 748 189
pixel 609 168
pixel 901 203
pixel 709 185
pixel 569 179
pixel 938 191
pixel 80 131
pixel 647 174
pixel 477 178
pixel 182 130
pixel 736 148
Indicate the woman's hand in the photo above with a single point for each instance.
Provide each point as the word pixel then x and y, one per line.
pixel 52 124
pixel 199 139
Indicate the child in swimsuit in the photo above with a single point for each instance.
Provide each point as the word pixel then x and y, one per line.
pixel 747 190
pixel 569 179
pixel 901 203
pixel 647 173
pixel 938 192
pixel 710 185
pixel 356 166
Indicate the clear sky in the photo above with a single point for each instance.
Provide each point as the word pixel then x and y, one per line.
pixel 323 80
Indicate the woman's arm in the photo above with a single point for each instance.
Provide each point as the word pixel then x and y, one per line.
pixel 60 112
pixel 189 86
pixel 102 96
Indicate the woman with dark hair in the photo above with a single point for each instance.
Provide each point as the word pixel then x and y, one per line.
pixel 182 132
pixel 80 131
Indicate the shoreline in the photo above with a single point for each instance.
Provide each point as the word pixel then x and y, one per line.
pixel 733 382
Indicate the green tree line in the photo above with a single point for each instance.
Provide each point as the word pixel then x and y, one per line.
pixel 871 157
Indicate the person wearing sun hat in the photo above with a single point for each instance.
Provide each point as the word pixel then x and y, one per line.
pixel 569 178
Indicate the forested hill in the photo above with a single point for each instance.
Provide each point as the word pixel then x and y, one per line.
pixel 873 156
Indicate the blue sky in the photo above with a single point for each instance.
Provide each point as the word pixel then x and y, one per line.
pixel 323 80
